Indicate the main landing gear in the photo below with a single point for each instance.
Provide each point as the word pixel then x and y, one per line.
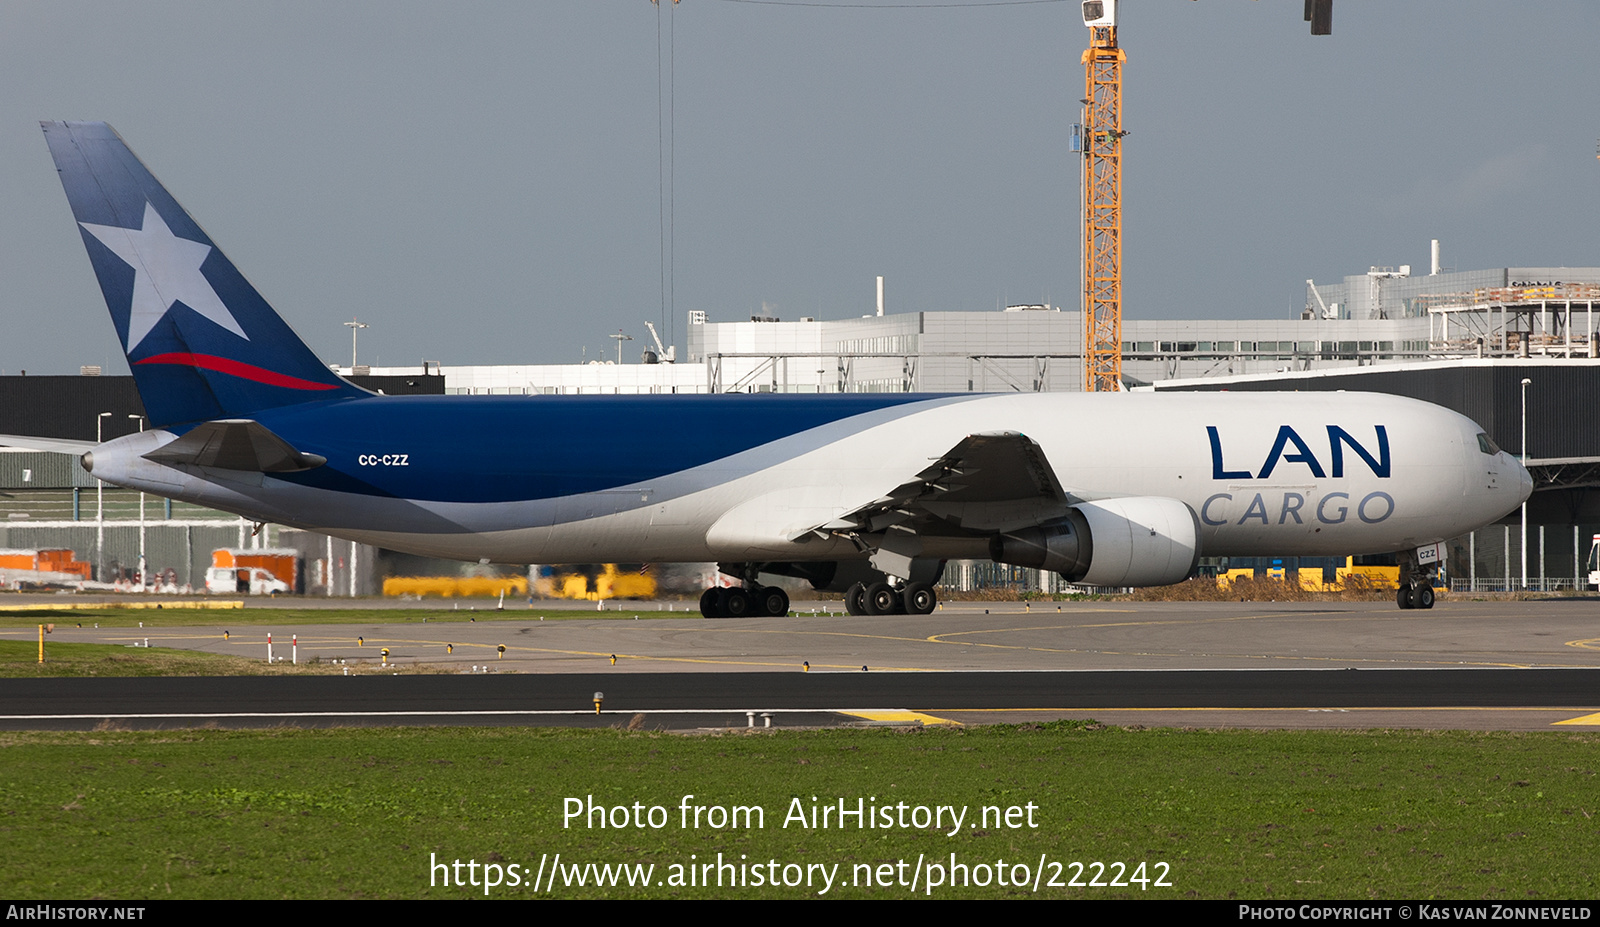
pixel 884 599
pixel 868 591
pixel 736 602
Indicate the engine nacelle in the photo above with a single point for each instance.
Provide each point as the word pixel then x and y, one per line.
pixel 1129 541
pixel 1064 546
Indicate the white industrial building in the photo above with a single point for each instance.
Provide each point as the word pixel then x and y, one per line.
pixel 1383 316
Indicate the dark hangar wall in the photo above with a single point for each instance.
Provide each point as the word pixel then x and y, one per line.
pixel 68 407
pixel 1563 401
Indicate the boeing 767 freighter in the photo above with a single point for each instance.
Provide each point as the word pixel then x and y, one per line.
pixel 866 494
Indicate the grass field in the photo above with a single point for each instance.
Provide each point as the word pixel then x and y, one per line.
pixel 20 660
pixel 361 813
pixel 289 615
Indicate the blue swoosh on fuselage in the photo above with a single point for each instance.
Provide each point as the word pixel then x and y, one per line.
pixel 486 449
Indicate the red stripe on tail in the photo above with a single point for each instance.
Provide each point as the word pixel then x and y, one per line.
pixel 236 369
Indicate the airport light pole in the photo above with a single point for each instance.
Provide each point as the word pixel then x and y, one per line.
pixel 619 338
pixel 1525 384
pixel 355 327
pixel 100 505
pixel 142 585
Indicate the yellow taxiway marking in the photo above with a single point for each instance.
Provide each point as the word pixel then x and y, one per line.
pixel 1353 615
pixel 808 633
pixel 902 716
pixel 1583 720
pixel 1342 659
pixel 1586 719
pixel 1215 619
pixel 940 638
pixel 1592 643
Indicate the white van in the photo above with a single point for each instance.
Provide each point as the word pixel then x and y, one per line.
pixel 243 581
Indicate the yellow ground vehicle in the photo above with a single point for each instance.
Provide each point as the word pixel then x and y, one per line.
pixel 1226 577
pixel 1378 571
pixel 454 586
pixel 595 581
pixel 1317 574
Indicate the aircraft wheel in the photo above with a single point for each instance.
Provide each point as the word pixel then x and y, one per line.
pixel 1422 596
pixel 881 599
pixel 919 599
pixel 1402 596
pixel 855 599
pixel 735 603
pixel 710 604
pixel 774 602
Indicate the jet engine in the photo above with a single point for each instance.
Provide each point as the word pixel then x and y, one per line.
pixel 1128 541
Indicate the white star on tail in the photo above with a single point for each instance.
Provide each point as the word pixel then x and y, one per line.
pixel 166 270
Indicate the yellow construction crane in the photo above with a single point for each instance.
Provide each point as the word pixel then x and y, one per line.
pixel 1099 139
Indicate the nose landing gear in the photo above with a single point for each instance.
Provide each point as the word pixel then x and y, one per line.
pixel 1416 583
pixel 1418 596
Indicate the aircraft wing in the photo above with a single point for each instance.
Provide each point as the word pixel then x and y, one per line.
pixel 987 483
pixel 235 444
pixel 52 445
pixel 972 483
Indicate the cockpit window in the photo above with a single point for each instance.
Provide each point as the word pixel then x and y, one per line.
pixel 1488 446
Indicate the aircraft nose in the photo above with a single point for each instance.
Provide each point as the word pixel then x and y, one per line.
pixel 1524 481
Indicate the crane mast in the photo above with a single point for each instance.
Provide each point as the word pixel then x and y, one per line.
pixel 1101 143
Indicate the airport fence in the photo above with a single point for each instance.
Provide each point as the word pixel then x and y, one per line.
pixel 1565 584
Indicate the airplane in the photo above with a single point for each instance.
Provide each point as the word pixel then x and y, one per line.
pixel 865 494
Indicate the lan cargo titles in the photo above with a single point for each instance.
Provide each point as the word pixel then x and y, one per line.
pixel 867 494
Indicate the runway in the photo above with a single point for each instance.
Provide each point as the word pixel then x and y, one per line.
pixel 1479 665
pixel 675 700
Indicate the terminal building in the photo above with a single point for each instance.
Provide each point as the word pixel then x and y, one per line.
pixel 1480 342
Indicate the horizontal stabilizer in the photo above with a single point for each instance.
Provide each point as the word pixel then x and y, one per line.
pixel 235 444
pixel 52 445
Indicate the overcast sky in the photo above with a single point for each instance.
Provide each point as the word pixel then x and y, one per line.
pixel 479 180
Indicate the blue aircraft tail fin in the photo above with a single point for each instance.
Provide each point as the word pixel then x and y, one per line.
pixel 200 340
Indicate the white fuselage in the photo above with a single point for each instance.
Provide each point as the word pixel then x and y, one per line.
pixel 1266 474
